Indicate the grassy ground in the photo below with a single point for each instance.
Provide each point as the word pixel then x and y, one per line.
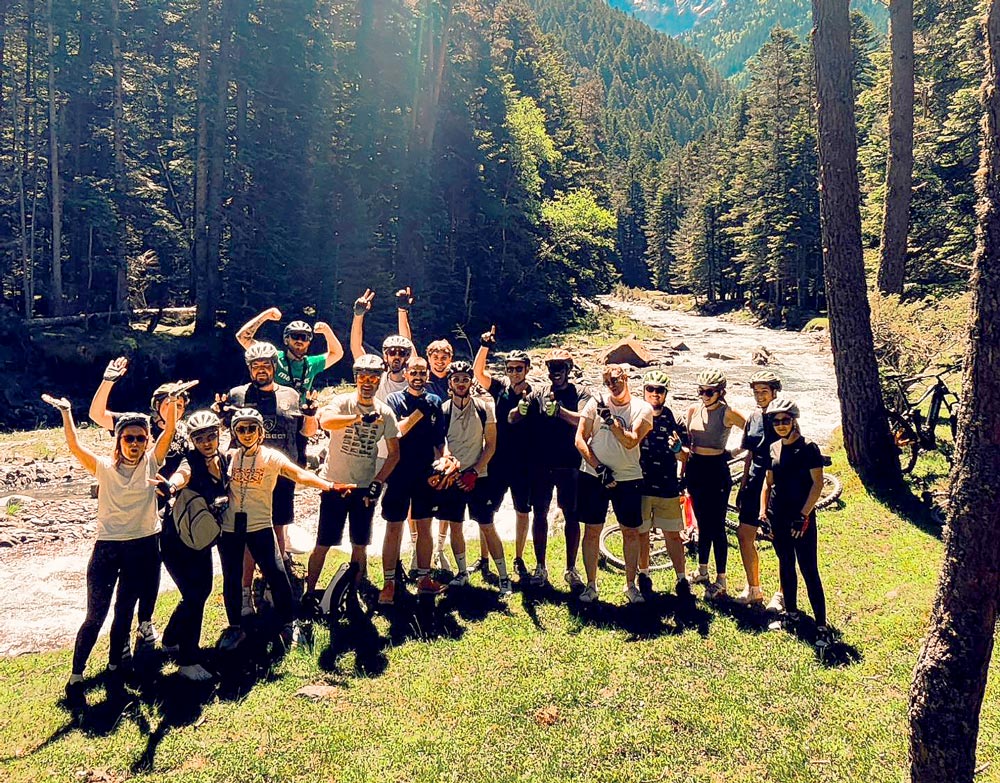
pixel 538 690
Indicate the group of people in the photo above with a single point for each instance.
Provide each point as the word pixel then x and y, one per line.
pixel 426 438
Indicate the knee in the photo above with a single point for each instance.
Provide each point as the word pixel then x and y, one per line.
pixel 747 534
pixel 673 535
pixel 591 532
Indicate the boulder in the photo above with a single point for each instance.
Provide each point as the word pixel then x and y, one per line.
pixel 679 345
pixel 628 351
pixel 761 356
pixel 726 357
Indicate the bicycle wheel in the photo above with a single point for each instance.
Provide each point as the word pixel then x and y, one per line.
pixel 832 488
pixel 612 549
pixel 904 440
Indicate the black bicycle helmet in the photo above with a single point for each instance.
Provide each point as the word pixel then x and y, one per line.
pixel 459 366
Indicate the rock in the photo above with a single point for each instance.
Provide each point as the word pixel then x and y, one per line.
pixel 717 330
pixel 16 500
pixel 726 357
pixel 628 351
pixel 679 345
pixel 761 356
pixel 318 692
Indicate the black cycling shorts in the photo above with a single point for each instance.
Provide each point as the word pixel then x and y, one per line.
pixel 283 502
pixel 593 500
pixel 335 510
pixel 562 481
pixel 515 479
pixel 750 501
pixel 453 502
pixel 408 495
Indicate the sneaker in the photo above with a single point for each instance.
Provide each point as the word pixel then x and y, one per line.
pixel 388 594
pixel 231 638
pixel 633 595
pixel 541 576
pixel 699 578
pixel 777 603
pixel 573 579
pixel 683 587
pixel 461 579
pixel 589 594
pixel 750 596
pixel 146 635
pixel 645 584
pixel 715 591
pixel 786 622
pixel 195 673
pixel 506 588
pixel 289 636
pixel 441 560
pixel 430 586
pixel 247 609
pixel 267 598
pixel 482 566
pixel 824 637
pixel 521 569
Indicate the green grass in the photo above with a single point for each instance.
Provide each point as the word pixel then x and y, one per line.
pixel 544 692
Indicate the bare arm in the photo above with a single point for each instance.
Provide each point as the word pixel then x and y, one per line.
pixel 814 492
pixel 584 432
pixel 99 413
pixel 331 420
pixel 479 368
pixel 765 493
pixel 169 428
pixel 489 446
pixel 334 350
pixel 85 456
pixel 247 332
pixel 630 438
pixel 411 421
pixel 307 478
pixel 361 307
pixel 404 297
pixel 309 426
pixel 391 460
pixel 734 418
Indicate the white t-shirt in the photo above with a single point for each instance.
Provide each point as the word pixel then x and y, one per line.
pixel 387 386
pixel 624 463
pixel 126 501
pixel 466 430
pixel 252 480
pixel 351 457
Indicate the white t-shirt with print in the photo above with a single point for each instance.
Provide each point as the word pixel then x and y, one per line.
pixel 353 452
pixel 126 500
pixel 624 463
pixel 252 480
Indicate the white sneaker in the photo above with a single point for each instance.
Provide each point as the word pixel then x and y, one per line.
pixel 461 579
pixel 541 576
pixel 146 634
pixel 750 595
pixel 195 673
pixel 633 595
pixel 589 594
pixel 247 609
pixel 777 603
pixel 573 579
pixel 441 560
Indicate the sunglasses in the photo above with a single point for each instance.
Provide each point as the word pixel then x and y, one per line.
pixel 300 337
pixel 656 389
pixel 612 382
pixel 558 367
pixel 397 352
pixel 134 439
pixel 782 421
pixel 512 368
pixel 261 365
pixel 367 377
pixel 421 373
pixel 461 378
pixel 205 437
pixel 248 429
pixel 707 392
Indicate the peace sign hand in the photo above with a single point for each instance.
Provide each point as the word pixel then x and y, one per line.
pixel 364 302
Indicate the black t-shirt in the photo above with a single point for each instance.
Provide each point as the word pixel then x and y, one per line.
pixel 791 465
pixel 555 439
pixel 758 435
pixel 513 441
pixel 281 413
pixel 438 386
pixel 659 463
pixel 416 447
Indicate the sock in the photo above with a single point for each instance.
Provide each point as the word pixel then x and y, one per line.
pixel 389 576
pixel 502 567
pixel 422 572
pixel 442 537
pixel 681 573
pixel 75 678
pixel 460 563
pixel 721 580
pixel 702 569
pixel 644 571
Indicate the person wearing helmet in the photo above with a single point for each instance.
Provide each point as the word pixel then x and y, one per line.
pixel 470 441
pixel 284 420
pixel 551 416
pixel 126 553
pixel 396 349
pixel 205 471
pixel 254 470
pixel 407 493
pixel 439 356
pixel 295 367
pixel 511 466
pixel 357 423
pixel 792 485
pixel 708 424
pixel 660 451
pixel 608 437
pixel 758 435
pixel 164 395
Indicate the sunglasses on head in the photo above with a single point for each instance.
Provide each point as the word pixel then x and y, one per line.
pixel 367 377
pixel 656 389
pixel 783 421
pixel 134 438
pixel 707 392
pixel 300 337
pixel 246 429
pixel 396 352
pixel 516 368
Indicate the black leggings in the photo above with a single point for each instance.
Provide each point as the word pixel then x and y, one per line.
pixel 132 565
pixel 804 551
pixel 151 589
pixel 191 569
pixel 709 483
pixel 263 547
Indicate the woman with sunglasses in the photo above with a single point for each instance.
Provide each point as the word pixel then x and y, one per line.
pixel 254 470
pixel 126 553
pixel 204 470
pixel 793 484
pixel 707 472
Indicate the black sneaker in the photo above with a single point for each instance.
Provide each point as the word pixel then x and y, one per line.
pixel 683 588
pixel 521 570
pixel 645 585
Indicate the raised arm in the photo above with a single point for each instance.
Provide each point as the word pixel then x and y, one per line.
pixel 486 342
pixel 361 307
pixel 86 457
pixel 99 413
pixel 169 428
pixel 334 350
pixel 404 300
pixel 245 336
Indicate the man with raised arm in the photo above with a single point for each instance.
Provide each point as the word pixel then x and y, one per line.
pixel 396 348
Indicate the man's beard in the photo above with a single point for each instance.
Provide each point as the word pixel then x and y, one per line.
pixel 260 384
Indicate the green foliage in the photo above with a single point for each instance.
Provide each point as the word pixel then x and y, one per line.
pixel 913 336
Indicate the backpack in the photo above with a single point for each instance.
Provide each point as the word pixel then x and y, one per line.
pixel 477 402
pixel 197 525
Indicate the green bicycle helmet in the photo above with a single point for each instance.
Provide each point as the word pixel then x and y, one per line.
pixel 656 378
pixel 766 376
pixel 712 377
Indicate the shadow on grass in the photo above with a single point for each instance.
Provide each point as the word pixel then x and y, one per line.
pixel 661 614
pixel 918 510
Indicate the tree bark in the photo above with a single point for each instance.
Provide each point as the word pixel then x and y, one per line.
pixel 869 448
pixel 899 166
pixel 950 677
pixel 56 292
pixel 204 298
pixel 118 146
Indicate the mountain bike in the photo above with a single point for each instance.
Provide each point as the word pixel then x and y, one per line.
pixel 912 429
pixel 832 489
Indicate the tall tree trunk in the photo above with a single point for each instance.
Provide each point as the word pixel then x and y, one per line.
pixel 118 144
pixel 866 431
pixel 56 292
pixel 204 296
pixel 950 678
pixel 899 167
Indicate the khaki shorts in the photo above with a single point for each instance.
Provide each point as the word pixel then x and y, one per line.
pixel 662 513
